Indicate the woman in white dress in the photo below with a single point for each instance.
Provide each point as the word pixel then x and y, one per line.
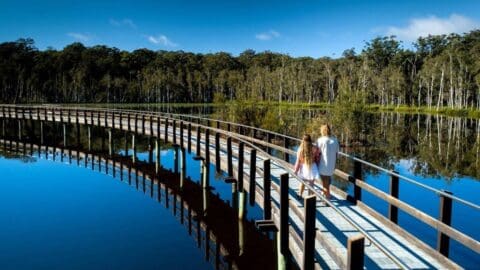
pixel 306 164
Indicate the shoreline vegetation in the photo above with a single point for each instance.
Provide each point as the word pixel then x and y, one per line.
pixel 424 110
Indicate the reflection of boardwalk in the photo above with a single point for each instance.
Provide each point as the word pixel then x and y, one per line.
pixel 386 245
pixel 226 241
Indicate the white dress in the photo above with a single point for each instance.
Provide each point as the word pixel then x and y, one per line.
pixel 309 173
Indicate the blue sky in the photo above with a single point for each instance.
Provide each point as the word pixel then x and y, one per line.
pixel 299 28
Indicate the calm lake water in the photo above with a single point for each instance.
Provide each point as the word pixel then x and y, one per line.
pixel 80 213
pixel 61 212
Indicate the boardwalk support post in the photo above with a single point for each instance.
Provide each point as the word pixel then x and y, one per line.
pixel 205 174
pixel 253 182
pixel 134 148
pixel 181 135
pixel 242 204
pixel 89 135
pixel 229 158
pixel 355 252
pixel 393 210
pixel 198 141
pixel 189 137
pixel 166 131
pixel 443 240
pixel 207 147
pixel 240 166
pixel 217 152
pixel 110 143
pixel 267 182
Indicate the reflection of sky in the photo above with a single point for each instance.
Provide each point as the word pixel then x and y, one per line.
pixel 464 187
pixel 464 218
pixel 54 215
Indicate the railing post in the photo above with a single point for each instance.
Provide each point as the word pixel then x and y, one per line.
pixel 286 145
pixel 150 119
pixel 143 124
pixel 240 166
pixel 207 147
pixel 121 120
pixel 355 252
pixel 309 232
pixel 181 135
pixel 267 206
pixel 284 227
pixel 229 157
pixel 136 123
pixel 217 152
pixel 198 153
pixel 269 141
pixel 105 121
pixel 393 210
pixel 357 174
pixel 166 131
pixel 443 240
pixel 129 126
pixel 174 126
pixel 158 128
pixel 113 122
pixel 253 172
pixel 189 139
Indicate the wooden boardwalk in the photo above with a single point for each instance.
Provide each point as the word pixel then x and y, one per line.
pixel 347 232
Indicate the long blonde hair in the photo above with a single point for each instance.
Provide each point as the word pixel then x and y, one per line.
pixel 306 150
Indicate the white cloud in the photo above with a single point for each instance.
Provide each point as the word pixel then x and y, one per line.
pixel 432 25
pixel 267 35
pixel 161 40
pixel 79 36
pixel 123 22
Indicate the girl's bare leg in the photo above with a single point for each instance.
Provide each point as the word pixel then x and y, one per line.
pixel 302 188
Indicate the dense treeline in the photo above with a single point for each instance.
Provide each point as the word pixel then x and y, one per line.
pixel 441 71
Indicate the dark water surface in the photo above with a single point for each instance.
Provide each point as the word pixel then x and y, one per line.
pixel 61 212
pixel 438 151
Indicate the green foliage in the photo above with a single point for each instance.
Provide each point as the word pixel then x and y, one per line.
pixel 442 73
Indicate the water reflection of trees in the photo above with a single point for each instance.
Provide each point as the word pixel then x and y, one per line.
pixel 434 145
